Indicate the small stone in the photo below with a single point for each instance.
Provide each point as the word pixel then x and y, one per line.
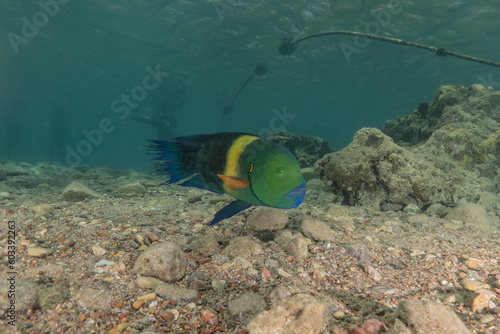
pixel 177 294
pixel 98 250
pixel 267 220
pixel 486 319
pixel 472 263
pixel 147 282
pixel 339 315
pixel 119 267
pixel 42 208
pixel 137 304
pixel 370 326
pixel 218 285
pixel 118 305
pixel 165 261
pixel 204 246
pixel 197 285
pixel 132 189
pixel 297 246
pixel 482 300
pixel 245 307
pixel 194 196
pixel 167 316
pixel 93 299
pixel 39 251
pixel 147 297
pixel 471 285
pixel 317 230
pixel 209 317
pixel 243 247
pixel 77 191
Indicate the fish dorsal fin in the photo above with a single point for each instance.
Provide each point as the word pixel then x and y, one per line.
pixel 234 182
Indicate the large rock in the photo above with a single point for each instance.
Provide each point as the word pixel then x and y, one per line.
pixel 426 317
pixel 243 247
pixel 245 307
pixel 165 261
pixel 177 294
pixel 448 150
pixel 475 215
pixel 93 299
pixel 25 294
pixel 267 220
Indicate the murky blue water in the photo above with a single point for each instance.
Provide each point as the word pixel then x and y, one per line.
pixel 85 82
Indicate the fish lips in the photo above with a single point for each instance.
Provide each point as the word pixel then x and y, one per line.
pixel 295 194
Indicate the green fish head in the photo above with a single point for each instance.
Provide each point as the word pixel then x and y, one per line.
pixel 276 179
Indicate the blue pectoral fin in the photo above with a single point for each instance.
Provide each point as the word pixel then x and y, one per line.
pixel 229 210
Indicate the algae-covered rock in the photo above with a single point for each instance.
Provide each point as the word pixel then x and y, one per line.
pixel 307 149
pixel 446 151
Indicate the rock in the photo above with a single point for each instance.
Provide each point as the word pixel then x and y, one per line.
pixel 77 191
pixel 243 247
pixel 306 149
pixel 297 247
pixel 482 300
pixel 318 185
pixel 93 299
pixel 15 170
pixel 52 294
pixel 26 293
pixel 3 175
pixel 42 208
pixel 177 294
pixel 360 252
pixel 475 215
pixel 370 326
pixel 245 307
pixel 308 173
pixel 438 210
pixel 194 196
pixel 132 189
pixel 283 238
pixel 204 246
pixel 165 261
pixel 278 295
pixel 317 230
pixel 426 317
pixel 298 314
pixel 39 251
pixel 147 282
pixel 267 220
pixel 98 250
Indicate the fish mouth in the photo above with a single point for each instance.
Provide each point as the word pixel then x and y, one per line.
pixel 297 194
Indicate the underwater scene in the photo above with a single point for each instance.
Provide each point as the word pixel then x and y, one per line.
pixel 237 166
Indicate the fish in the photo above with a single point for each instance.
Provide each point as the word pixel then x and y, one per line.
pixel 250 168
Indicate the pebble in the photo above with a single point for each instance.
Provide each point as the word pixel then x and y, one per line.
pixel 243 247
pixel 76 191
pixel 167 316
pixel 472 263
pixel 93 299
pixel 370 326
pixel 245 307
pixel 267 220
pixel 209 317
pixel 137 304
pixel 194 196
pixel 298 246
pixel 42 208
pixel 317 230
pixel 147 297
pixel 165 261
pixel 131 189
pixel 39 251
pixel 98 250
pixel 482 300
pixel 339 315
pixel 177 294
pixel 204 246
pixel 486 319
pixel 472 285
pixel 147 282
pixel 218 285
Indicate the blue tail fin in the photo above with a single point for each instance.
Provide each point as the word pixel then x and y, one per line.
pixel 171 155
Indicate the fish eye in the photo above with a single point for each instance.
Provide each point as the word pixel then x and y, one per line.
pixel 280 171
